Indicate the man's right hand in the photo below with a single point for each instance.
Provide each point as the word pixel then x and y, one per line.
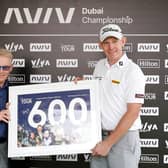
pixel 4 114
pixel 78 79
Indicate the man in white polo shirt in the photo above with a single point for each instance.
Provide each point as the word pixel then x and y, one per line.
pixel 122 87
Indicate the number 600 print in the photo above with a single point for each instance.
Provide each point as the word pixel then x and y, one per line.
pixel 64 112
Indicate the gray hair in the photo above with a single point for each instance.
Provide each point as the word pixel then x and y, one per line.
pixel 5 53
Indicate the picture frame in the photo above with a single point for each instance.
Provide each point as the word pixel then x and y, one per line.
pixel 54 118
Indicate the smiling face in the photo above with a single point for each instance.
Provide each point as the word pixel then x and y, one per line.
pixel 5 68
pixel 112 48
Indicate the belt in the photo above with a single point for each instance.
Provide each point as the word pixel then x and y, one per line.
pixel 106 132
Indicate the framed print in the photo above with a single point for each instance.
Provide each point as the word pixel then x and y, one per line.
pixel 54 118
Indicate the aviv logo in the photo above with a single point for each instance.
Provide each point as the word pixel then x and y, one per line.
pixel 148 47
pixel 165 159
pixel 152 79
pixel 91 47
pixel 149 63
pixel 40 78
pixel 40 16
pixel 14 47
pixel 149 111
pixel 165 127
pixel 40 47
pixel 66 63
pixel 67 157
pixel 149 143
pixel 18 63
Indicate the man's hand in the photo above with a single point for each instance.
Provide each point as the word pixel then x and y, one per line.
pixel 77 79
pixel 101 149
pixel 4 114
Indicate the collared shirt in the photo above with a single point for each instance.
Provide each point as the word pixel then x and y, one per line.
pixel 121 83
pixel 3 101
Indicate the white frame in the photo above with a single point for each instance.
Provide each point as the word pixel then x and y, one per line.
pixel 95 130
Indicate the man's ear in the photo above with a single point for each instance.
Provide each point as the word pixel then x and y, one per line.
pixel 124 40
pixel 11 68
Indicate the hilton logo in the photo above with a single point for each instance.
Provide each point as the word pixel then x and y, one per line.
pixel 16 78
pixel 149 158
pixel 149 63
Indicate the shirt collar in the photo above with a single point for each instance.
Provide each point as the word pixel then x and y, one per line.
pixel 122 62
pixel 5 84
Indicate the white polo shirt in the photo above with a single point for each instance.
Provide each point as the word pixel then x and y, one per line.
pixel 121 83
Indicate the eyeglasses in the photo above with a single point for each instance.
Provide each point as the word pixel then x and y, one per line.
pixel 5 68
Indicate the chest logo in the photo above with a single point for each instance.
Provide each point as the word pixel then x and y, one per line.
pixel 116 81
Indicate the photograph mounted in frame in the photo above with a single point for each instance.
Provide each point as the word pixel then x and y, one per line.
pixel 54 118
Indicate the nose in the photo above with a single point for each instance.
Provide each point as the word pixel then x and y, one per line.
pixel 111 45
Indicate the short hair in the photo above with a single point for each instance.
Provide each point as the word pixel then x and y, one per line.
pixel 6 53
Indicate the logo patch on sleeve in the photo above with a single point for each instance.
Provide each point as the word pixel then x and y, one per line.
pixel 139 95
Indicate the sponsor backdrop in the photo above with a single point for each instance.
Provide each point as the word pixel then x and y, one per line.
pixel 54 41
